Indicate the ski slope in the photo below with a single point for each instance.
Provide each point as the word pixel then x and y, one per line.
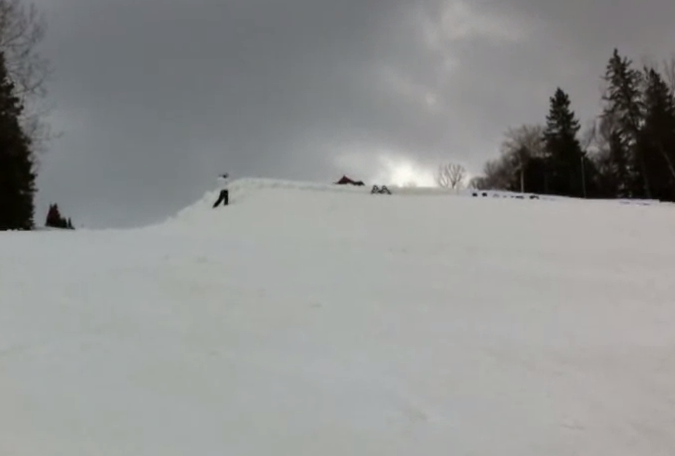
pixel 307 319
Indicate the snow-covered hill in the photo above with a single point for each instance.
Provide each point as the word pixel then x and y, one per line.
pixel 320 320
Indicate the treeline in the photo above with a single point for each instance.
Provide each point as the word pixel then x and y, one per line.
pixel 627 152
pixel 23 130
pixel 17 167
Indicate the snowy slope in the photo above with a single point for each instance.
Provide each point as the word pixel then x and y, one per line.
pixel 314 320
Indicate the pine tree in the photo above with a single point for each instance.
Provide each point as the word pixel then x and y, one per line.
pixel 565 156
pixel 623 103
pixel 17 175
pixel 656 143
pixel 620 168
pixel 56 220
pixel 53 216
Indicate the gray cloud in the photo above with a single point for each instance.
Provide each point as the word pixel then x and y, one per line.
pixel 156 97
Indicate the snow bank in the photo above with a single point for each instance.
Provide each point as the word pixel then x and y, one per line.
pixel 302 321
pixel 247 190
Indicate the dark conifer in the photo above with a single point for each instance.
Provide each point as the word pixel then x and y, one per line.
pixel 563 150
pixel 17 175
pixel 656 143
pixel 623 103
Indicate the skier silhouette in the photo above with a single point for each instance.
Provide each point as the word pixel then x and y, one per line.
pixel 224 196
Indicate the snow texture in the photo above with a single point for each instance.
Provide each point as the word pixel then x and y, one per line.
pixel 309 319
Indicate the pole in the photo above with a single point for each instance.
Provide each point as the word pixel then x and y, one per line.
pixel 583 176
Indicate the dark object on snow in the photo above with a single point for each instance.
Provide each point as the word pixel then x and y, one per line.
pixel 381 190
pixel 55 220
pixel 224 198
pixel 344 180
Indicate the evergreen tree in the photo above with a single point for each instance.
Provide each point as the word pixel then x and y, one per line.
pixel 623 103
pixel 656 144
pixel 17 175
pixel 537 175
pixel 53 216
pixel 620 179
pixel 56 220
pixel 564 154
pixel 610 160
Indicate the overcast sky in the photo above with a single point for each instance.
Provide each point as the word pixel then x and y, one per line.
pixel 156 97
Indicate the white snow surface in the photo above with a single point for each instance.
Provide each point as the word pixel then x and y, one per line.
pixel 309 319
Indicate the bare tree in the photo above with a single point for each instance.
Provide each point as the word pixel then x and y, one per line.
pixel 450 175
pixel 478 183
pixel 22 29
pixel 527 140
pixel 498 173
pixel 589 136
pixel 520 145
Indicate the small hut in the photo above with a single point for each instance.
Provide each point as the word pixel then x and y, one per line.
pixel 344 180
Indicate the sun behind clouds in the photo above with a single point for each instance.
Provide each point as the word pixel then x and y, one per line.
pixel 385 168
pixel 404 172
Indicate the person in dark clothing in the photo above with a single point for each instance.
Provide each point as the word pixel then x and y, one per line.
pixel 224 196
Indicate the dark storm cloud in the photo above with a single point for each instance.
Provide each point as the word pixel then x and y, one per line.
pixel 156 97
